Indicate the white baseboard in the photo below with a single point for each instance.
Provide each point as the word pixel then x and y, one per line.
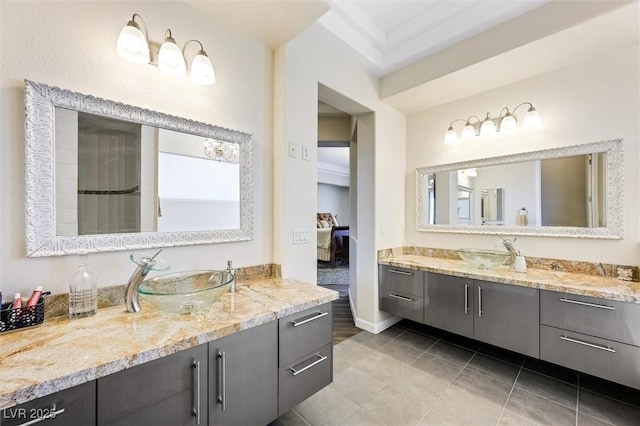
pixel 369 326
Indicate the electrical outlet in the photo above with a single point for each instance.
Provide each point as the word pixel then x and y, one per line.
pixel 293 150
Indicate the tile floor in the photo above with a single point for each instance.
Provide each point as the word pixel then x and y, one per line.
pixel 412 374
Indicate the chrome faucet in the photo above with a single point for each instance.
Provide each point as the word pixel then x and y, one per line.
pixel 508 244
pixel 130 294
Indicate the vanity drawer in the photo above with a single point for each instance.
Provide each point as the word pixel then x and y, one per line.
pixel 603 358
pixel 618 321
pixel 401 280
pixel 304 376
pixel 402 304
pixel 304 332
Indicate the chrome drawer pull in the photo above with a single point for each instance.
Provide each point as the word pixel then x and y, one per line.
pixel 222 380
pixel 406 299
pixel 466 298
pixel 591 345
pixel 320 315
pixel 314 363
pixel 52 414
pixel 395 271
pixel 479 301
pixel 592 305
pixel 196 394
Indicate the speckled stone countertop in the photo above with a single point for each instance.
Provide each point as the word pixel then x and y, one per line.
pixel 565 282
pixel 63 353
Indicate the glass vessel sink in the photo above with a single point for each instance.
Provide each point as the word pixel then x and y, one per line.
pixel 185 292
pixel 483 259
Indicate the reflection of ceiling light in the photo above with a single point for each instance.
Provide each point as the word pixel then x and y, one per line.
pixel 507 121
pixel 227 152
pixel 133 46
pixel 469 172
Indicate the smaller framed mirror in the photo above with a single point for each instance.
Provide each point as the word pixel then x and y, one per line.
pixel 573 191
pixel 106 176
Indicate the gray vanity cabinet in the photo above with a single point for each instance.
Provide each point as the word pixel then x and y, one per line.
pixel 169 391
pixel 75 406
pixel 306 355
pixel 401 292
pixel 596 336
pixel 243 377
pixel 448 303
pixel 507 316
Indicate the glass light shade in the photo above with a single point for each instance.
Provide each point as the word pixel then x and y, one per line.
pixel 451 137
pixel 170 59
pixel 468 132
pixel 531 119
pixel 488 127
pixel 132 45
pixel 508 123
pixel 202 70
pixel 471 172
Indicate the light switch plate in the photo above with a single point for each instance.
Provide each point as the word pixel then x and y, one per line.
pixel 293 150
pixel 300 236
pixel 305 152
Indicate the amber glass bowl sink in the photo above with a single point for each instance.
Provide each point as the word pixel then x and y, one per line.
pixel 185 292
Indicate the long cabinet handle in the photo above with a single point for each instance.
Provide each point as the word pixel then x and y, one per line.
pixel 395 271
pixel 466 298
pixel 318 316
pixel 52 413
pixel 591 305
pixel 479 301
pixel 314 363
pixel 196 391
pixel 396 296
pixel 591 345
pixel 222 373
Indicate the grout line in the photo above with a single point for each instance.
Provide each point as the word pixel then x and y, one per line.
pixel 504 407
pixel 577 398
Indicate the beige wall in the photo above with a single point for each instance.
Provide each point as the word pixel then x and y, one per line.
pixel 72 45
pixel 593 100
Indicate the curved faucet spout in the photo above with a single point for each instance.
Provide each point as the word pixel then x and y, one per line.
pixel 130 294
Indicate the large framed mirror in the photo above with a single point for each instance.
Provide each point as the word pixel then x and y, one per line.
pixel 573 191
pixel 105 176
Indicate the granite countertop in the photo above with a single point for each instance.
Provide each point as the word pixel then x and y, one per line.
pixel 63 353
pixel 565 282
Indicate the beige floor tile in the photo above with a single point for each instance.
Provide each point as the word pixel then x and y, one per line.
pixel 417 384
pixel 370 340
pixel 438 368
pixel 400 351
pixel 348 352
pixel 555 390
pixel 362 418
pixel 539 410
pixel 393 331
pixel 510 419
pixel 584 420
pixel 465 407
pixel 290 418
pixel 490 390
pixel 356 384
pixel 327 407
pixel 418 340
pixel 394 408
pixel 494 368
pixel 380 366
pixel 608 410
pixel 451 352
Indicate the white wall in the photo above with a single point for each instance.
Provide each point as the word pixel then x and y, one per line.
pixel 300 66
pixel 594 100
pixel 72 45
pixel 334 199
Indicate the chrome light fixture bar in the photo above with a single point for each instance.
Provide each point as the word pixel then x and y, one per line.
pixel 133 45
pixel 506 122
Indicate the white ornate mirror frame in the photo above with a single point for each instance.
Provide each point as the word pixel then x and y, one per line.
pixel 41 238
pixel 614 197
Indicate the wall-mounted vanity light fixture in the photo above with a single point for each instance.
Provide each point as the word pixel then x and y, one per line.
pixel 506 122
pixel 227 152
pixel 133 45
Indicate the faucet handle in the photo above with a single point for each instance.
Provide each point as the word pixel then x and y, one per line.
pixel 150 263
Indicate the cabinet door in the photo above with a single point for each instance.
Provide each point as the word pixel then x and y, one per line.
pixel 243 377
pixel 169 391
pixel 448 303
pixel 507 316
pixel 71 407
